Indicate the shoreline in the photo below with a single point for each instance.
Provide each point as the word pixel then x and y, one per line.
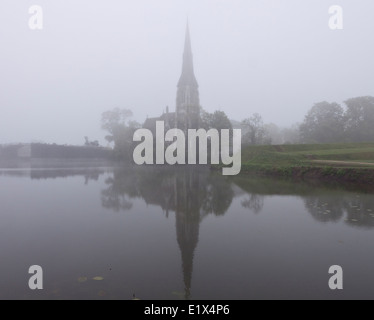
pixel 345 163
pixel 360 177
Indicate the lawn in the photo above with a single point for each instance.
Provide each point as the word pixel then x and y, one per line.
pixel 351 155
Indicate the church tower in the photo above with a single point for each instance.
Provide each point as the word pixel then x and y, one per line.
pixel 187 115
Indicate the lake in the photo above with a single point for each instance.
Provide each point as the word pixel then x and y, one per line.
pixel 183 233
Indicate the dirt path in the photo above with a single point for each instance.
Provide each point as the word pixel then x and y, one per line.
pixel 346 163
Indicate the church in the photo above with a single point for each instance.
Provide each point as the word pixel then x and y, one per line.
pixel 187 111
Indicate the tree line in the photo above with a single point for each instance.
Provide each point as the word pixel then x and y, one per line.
pixel 331 123
pixel 325 122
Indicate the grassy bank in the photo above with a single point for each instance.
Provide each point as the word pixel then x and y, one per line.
pixel 339 162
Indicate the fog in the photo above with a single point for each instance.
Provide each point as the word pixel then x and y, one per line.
pixel 276 58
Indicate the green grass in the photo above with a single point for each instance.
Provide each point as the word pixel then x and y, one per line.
pixel 369 161
pixel 286 157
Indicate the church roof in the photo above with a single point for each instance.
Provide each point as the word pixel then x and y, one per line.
pixel 150 123
pixel 168 118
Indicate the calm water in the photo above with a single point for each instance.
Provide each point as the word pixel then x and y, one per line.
pixel 177 234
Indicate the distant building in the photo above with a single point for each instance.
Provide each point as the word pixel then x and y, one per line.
pixel 52 151
pixel 15 151
pixel 187 111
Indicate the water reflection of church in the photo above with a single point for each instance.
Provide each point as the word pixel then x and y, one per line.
pixel 190 192
pixel 183 193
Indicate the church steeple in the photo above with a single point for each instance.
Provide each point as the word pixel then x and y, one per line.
pixel 187 104
pixel 188 75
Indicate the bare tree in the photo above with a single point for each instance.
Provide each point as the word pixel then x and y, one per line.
pixel 116 122
pixel 253 130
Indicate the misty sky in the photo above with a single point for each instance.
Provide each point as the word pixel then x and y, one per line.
pixel 273 57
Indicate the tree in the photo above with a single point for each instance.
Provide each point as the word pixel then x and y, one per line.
pixel 112 120
pixel 253 130
pixel 205 119
pixel 324 123
pixel 121 130
pixel 216 120
pixel 359 119
pixel 220 121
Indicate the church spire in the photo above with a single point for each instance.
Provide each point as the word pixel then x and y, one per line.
pixel 188 75
pixel 187 115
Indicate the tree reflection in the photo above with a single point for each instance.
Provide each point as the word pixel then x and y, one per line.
pixel 356 210
pixel 325 202
pixel 121 188
pixel 191 193
pixel 253 202
pixel 218 195
pixel 204 192
pixel 324 208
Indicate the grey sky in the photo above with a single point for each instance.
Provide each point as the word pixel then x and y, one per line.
pixel 272 57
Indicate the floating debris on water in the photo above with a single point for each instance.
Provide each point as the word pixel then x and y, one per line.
pixel 82 279
pixel 98 278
